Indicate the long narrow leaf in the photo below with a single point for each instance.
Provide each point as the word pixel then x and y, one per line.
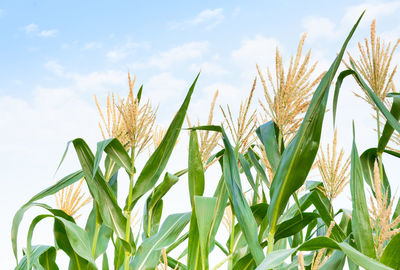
pixel 360 217
pixel 158 160
pixel 299 156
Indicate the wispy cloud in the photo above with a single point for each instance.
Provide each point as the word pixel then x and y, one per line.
pixel 125 50
pixel 258 50
pixel 1 12
pixel 92 45
pixel 208 17
pixel 322 27
pixel 175 55
pixel 34 30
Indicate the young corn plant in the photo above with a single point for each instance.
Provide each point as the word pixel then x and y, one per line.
pixel 270 226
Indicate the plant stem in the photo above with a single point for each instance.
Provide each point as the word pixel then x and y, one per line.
pixel 96 236
pixel 232 240
pixel 271 235
pixel 128 210
pixel 379 154
pixel 221 263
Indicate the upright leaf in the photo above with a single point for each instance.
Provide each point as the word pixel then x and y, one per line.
pixel 240 206
pixel 158 160
pixel 195 167
pixel 205 214
pixel 360 217
pixel 299 156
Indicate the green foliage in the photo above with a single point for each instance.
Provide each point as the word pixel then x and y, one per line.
pixel 265 230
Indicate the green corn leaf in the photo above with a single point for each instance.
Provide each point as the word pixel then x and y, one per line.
pixel 104 264
pixel 294 225
pixel 360 217
pixel 195 167
pixel 154 205
pixel 277 257
pixel 194 251
pixel 76 237
pixel 323 211
pixel 268 135
pixel 367 160
pixel 245 263
pixel 36 252
pixel 64 182
pixel 388 129
pixel 335 262
pixel 104 233
pixel 221 194
pixel 299 156
pixel 101 192
pixel 48 259
pixel 241 208
pixel 162 189
pixel 62 242
pixel 148 254
pixel 246 169
pixel 205 214
pixel 158 160
pixel 116 151
pixel 390 255
pixel 119 254
pixel 257 166
pixel 391 119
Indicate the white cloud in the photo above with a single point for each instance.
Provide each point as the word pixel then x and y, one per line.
pixel 373 10
pixel 124 51
pixel 209 18
pixel 179 54
pixel 209 68
pixel 90 82
pixel 319 27
pixel 259 50
pixel 325 28
pixel 236 11
pixel 2 12
pixel 163 87
pixel 54 67
pixel 92 45
pixel 34 30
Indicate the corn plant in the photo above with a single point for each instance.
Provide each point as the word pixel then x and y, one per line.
pixel 284 221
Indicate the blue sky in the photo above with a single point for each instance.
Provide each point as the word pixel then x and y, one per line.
pixel 56 55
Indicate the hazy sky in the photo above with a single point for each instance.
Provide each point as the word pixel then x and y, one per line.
pixel 56 56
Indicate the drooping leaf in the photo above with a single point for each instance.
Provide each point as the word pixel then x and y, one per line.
pixel 292 226
pixel 36 252
pixel 101 192
pixel 154 205
pixel 368 159
pixel 116 151
pixel 64 182
pixel 388 129
pixel 267 133
pixel 148 254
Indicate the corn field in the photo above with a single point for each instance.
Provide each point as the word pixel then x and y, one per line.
pixel 284 221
